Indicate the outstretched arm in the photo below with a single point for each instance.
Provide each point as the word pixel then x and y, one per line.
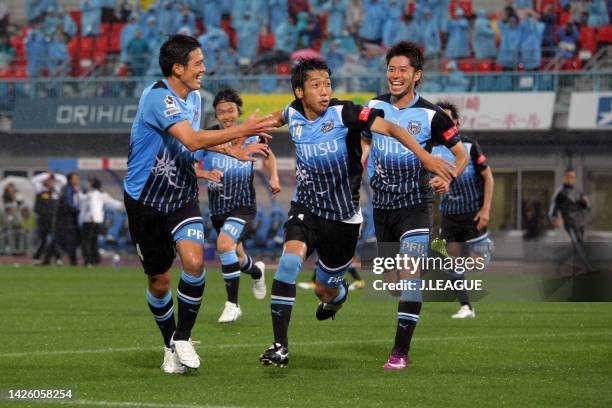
pixel 202 139
pixel 434 164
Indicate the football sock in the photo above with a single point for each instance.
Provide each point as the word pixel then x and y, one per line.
pixel 250 268
pixel 407 319
pixel 231 274
pixel 283 298
pixel 163 313
pixel 354 274
pixel 189 298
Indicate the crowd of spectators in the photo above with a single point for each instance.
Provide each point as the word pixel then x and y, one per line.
pixel 62 218
pixel 254 36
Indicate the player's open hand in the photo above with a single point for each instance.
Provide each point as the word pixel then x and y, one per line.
pixel 247 152
pixel 275 187
pixel 439 185
pixel 259 126
pixel 440 167
pixel 482 217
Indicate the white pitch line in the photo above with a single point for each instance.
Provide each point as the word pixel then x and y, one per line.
pixel 309 343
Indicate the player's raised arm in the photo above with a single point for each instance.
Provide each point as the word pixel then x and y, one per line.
pixel 434 164
pixel 202 139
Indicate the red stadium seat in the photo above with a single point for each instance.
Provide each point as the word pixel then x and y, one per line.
pixel 76 16
pixel 284 68
pixel 604 35
pixel 573 64
pixel 86 47
pixel 565 16
pixel 21 73
pixel 466 65
pixel 588 39
pixel 484 66
pixel 6 73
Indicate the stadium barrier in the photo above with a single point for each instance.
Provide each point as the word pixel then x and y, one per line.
pixel 587 81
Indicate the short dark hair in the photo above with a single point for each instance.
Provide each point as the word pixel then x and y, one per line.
pixel 299 73
pixel 228 95
pixel 409 50
pixel 176 50
pixel 446 105
pixel 569 170
pixel 96 184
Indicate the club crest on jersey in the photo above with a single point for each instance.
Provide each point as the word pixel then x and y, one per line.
pixel 327 126
pixel 169 101
pixel 196 115
pixel 414 127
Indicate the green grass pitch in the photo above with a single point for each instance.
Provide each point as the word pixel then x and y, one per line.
pixel 90 330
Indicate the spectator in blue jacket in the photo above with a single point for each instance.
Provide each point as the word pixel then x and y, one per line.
pixel 372 23
pixel 455 80
pixel 568 40
pixel 286 35
pixel 431 35
pixel 58 59
pixel 167 16
pixel 185 20
pixel 213 42
pixel 458 36
pixel 483 39
pixel 278 13
pixel 91 14
pixel 510 42
pixel 127 35
pixel 440 13
pixel 336 16
pixel 394 12
pixel 36 51
pixel 35 10
pixel 598 14
pixel 68 24
pixel 248 35
pixel 531 42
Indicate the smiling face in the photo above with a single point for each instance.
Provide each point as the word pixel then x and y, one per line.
pixel 401 77
pixel 316 93
pixel 191 74
pixel 227 114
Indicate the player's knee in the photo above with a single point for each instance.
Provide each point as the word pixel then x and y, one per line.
pixel 326 294
pixel 289 266
pixel 193 263
pixel 225 243
pixel 159 285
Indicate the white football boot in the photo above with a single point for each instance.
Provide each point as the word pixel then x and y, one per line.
pixel 186 353
pixel 231 313
pixel 259 285
pixel 464 312
pixel 172 364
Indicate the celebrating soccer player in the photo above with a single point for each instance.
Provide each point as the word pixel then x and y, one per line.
pixel 402 188
pixel 465 208
pixel 161 191
pixel 325 214
pixel 231 199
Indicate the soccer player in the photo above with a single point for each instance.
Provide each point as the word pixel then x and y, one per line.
pixel 161 191
pixel 402 189
pixel 324 214
pixel 231 200
pixel 465 208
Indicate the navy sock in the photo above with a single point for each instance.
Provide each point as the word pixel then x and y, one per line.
pixel 407 319
pixel 250 268
pixel 231 274
pixel 163 313
pixel 283 298
pixel 189 298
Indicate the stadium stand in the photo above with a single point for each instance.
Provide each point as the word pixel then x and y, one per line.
pixel 97 39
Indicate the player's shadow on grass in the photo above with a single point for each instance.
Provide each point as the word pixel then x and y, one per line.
pixel 148 359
